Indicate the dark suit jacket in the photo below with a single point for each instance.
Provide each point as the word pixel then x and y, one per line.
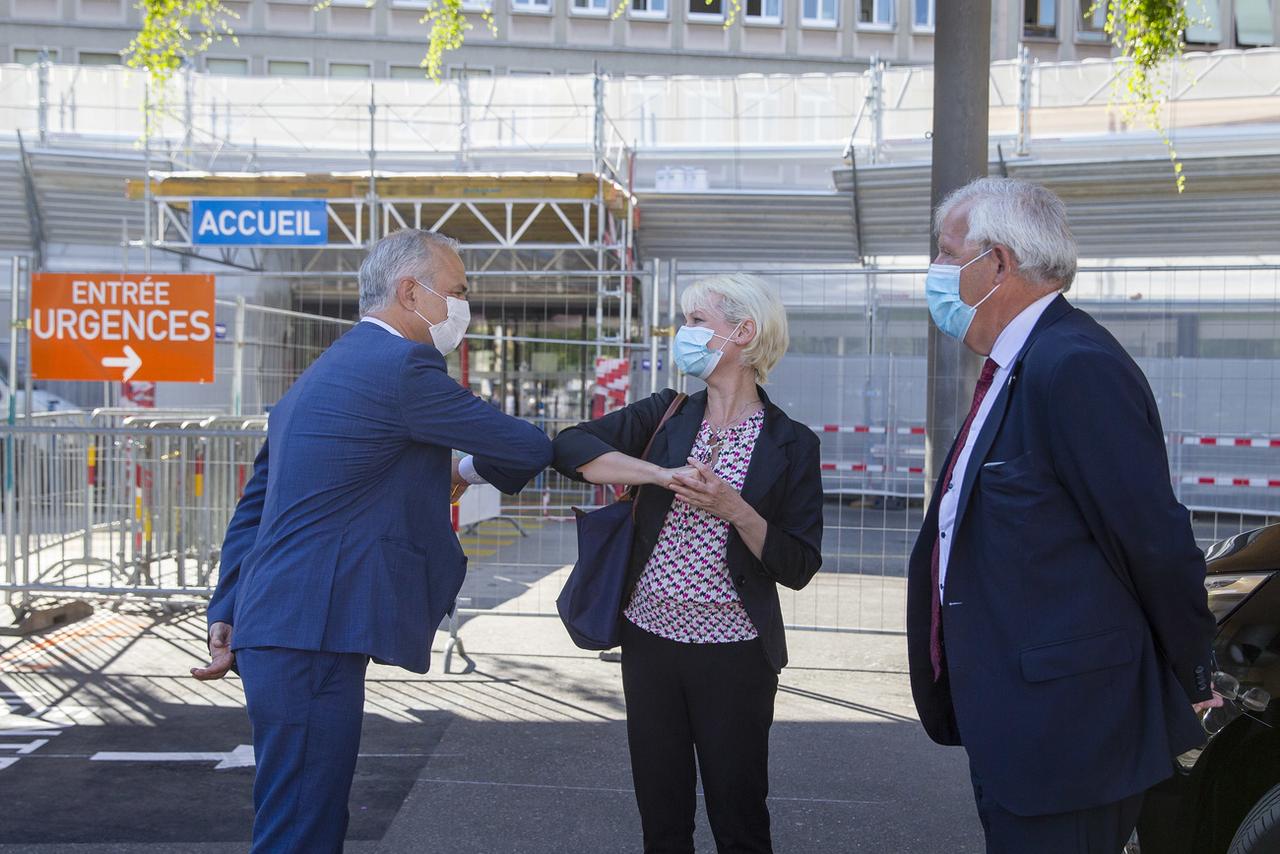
pixel 783 484
pixel 1075 621
pixel 343 540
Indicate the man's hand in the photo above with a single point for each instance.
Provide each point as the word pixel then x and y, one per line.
pixel 1214 702
pixel 459 483
pixel 220 655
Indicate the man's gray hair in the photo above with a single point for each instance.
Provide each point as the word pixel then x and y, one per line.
pixel 1027 218
pixel 401 254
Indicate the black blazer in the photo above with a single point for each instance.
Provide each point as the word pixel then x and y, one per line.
pixel 1075 622
pixel 783 484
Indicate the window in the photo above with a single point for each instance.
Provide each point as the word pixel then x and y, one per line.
pixel 820 12
pixel 541 7
pixel 1092 23
pixel 469 71
pixel 349 69
pixel 1040 19
pixel 1206 21
pixel 31 55
pixel 706 9
pixel 648 8
pixel 591 7
pixel 407 72
pixel 764 11
pixel 288 68
pixel 1254 25
pixel 477 5
pixel 237 67
pixel 872 13
pixel 924 14
pixel 89 58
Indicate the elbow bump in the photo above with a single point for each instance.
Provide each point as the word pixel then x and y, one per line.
pixel 540 449
pixel 536 448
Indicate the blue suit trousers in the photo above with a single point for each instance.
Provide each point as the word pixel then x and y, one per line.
pixel 306 709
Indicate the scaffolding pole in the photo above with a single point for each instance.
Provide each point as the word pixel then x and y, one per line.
pixel 374 213
pixel 960 103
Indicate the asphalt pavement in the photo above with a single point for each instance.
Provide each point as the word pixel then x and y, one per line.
pixel 109 746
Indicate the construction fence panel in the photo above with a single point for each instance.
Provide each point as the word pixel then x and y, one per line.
pixel 555 348
pixel 1208 339
pixel 122 502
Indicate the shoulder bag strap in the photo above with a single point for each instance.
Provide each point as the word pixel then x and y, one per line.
pixel 671 411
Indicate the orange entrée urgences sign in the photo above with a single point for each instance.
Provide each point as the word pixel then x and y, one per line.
pixel 121 327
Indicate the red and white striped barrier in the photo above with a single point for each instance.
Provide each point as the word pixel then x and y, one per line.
pixel 1247 482
pixel 861 468
pixel 846 467
pixel 1231 441
pixel 1200 441
pixel 869 468
pixel 870 429
pixel 852 428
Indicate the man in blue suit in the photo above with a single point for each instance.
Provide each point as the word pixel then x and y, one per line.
pixel 1057 619
pixel 342 547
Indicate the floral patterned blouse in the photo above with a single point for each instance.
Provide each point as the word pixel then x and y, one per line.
pixel 685 593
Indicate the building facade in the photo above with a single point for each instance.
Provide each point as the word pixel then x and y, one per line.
pixel 660 37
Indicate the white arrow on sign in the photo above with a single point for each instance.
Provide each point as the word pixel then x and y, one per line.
pixel 131 361
pixel 241 757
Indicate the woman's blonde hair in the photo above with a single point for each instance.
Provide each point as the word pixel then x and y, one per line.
pixel 742 297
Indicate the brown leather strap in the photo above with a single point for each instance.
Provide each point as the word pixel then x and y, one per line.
pixel 679 400
pixel 671 411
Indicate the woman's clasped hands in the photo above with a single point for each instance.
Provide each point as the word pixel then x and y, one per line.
pixel 699 486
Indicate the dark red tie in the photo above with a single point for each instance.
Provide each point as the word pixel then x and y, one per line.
pixel 989 369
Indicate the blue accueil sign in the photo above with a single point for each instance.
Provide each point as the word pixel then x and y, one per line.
pixel 259 222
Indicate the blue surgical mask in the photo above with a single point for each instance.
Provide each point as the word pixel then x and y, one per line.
pixel 693 354
pixel 942 290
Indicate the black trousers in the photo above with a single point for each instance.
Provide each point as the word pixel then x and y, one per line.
pixel 1100 830
pixel 714 700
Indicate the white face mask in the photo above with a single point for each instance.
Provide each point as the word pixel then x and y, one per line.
pixel 447 334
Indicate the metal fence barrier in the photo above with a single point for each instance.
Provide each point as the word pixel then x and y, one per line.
pixel 122 503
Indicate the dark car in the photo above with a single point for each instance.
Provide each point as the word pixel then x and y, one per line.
pixel 1225 798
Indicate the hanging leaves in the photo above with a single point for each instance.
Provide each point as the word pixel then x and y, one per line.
pixel 449 26
pixel 1149 36
pixel 174 32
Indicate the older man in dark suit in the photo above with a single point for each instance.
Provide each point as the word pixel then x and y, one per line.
pixel 1057 619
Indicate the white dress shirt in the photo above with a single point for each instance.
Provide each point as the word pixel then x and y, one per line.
pixel 1006 349
pixel 387 326
pixel 466 465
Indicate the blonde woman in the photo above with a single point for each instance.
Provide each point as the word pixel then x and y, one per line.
pixel 737 510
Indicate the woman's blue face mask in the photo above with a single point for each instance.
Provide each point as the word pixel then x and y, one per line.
pixel 942 290
pixel 693 353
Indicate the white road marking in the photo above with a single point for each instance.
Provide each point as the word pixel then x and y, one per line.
pixel 241 757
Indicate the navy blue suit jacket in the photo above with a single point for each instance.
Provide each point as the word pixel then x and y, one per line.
pixel 343 540
pixel 1076 627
